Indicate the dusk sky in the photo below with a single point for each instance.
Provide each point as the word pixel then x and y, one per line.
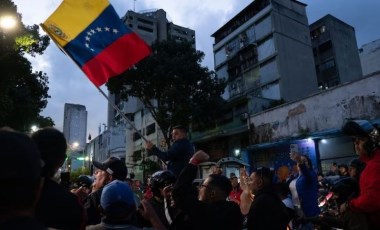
pixel 69 85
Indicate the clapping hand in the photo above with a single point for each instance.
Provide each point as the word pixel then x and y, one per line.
pixel 199 157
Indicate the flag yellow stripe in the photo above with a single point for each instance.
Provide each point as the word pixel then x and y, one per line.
pixel 71 18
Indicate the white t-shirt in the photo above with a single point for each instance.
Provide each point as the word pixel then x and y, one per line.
pixel 293 191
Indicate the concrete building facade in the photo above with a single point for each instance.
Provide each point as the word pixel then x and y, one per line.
pixel 75 130
pixel 314 123
pixel 110 143
pixel 265 54
pixel 75 124
pixel 370 57
pixel 335 52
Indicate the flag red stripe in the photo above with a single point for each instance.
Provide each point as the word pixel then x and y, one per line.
pixel 116 58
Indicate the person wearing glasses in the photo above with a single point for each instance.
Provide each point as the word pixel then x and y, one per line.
pixel 178 154
pixel 367 146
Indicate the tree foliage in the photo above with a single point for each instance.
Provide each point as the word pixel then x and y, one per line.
pixel 173 86
pixel 23 93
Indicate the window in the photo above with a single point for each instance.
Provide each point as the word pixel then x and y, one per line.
pixel 269 72
pixel 251 34
pixel 220 56
pixel 145 21
pixel 265 49
pixel 327 65
pixel 252 78
pixel 325 46
pixel 264 27
pixel 136 136
pixel 145 28
pixel 151 129
pixel 222 73
pixel 317 32
pixel 271 91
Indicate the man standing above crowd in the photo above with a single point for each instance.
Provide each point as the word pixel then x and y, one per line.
pixel 178 154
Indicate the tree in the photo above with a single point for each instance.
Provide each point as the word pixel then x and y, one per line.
pixel 23 93
pixel 173 86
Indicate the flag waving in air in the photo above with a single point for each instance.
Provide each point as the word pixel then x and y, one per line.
pixel 93 35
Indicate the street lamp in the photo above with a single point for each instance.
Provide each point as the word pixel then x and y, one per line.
pixel 7 22
pixel 34 128
pixel 75 145
pixel 237 152
pixel 70 150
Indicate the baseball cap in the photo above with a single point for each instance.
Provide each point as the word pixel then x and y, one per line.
pixel 114 166
pixel 117 197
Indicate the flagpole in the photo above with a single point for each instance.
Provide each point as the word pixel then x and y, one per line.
pixel 100 90
pixel 121 113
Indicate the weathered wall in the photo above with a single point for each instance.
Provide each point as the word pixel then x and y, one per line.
pixel 321 111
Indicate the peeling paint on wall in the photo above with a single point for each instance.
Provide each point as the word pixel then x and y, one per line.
pixel 262 133
pixel 297 110
pixel 323 111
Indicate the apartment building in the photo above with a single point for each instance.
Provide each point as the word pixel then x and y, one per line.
pixel 265 54
pixel 335 52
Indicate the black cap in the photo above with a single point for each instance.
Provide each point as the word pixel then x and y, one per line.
pixel 357 128
pixel 114 166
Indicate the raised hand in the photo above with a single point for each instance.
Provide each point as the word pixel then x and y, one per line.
pixel 199 157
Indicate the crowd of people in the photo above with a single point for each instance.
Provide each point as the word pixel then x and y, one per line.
pixel 262 199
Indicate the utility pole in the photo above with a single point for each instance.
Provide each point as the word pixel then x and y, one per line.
pixel 134 5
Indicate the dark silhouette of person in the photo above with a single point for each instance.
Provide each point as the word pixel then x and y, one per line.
pixel 58 207
pixel 20 179
pixel 207 208
pixel 179 154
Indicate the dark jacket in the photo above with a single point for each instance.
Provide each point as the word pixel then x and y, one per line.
pixel 159 209
pixel 267 211
pixel 22 223
pixel 201 215
pixel 91 206
pixel 59 208
pixel 177 156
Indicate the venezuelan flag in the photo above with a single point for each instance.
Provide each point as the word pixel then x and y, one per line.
pixel 93 35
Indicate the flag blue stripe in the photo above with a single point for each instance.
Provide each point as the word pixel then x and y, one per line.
pixel 102 32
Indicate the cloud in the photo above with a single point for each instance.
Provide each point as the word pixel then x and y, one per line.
pixel 69 85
